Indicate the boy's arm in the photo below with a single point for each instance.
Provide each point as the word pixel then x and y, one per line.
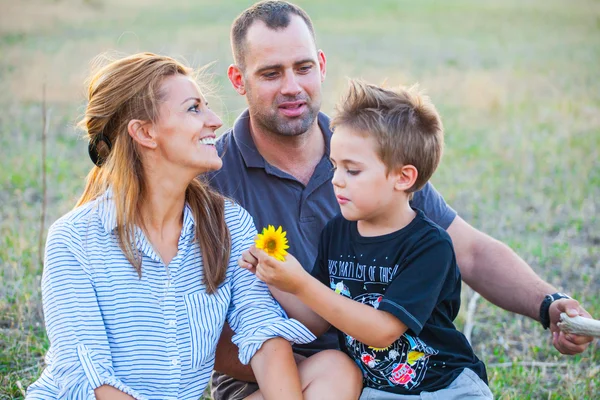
pixel 290 303
pixel 366 324
pixel 297 309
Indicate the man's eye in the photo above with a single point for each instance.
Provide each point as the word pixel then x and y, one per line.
pixel 270 75
pixel 305 69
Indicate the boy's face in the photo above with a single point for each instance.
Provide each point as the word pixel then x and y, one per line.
pixel 364 189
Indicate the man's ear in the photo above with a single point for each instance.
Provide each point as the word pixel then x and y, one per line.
pixel 405 177
pixel 234 73
pixel 141 133
pixel 322 64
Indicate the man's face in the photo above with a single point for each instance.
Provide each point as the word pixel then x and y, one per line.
pixel 282 77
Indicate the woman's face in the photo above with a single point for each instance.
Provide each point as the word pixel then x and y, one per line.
pixel 185 130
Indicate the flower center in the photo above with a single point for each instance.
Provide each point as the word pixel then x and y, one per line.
pixel 271 245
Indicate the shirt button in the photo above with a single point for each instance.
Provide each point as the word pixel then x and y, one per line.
pixel 168 284
pixel 172 323
pixel 174 362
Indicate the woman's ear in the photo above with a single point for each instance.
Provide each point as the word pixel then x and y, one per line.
pixel 141 133
pixel 405 176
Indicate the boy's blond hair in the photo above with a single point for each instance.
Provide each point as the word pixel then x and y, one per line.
pixel 404 122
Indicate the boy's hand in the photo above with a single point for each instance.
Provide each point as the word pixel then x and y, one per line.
pixel 285 275
pixel 248 261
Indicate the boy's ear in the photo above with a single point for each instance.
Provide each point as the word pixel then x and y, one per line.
pixel 405 176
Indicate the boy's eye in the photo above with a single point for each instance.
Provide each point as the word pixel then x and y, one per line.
pixel 353 172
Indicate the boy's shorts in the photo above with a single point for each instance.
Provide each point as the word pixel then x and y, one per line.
pixel 468 385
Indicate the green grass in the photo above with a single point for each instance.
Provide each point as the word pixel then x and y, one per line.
pixel 516 83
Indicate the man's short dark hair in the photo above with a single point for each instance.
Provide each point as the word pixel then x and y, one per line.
pixel 275 15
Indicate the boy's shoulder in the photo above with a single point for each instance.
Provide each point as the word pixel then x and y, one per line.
pixel 335 225
pixel 431 229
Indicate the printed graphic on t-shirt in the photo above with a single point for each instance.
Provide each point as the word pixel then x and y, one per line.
pixel 404 363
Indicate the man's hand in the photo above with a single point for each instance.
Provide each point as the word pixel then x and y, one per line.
pixel 567 343
pixel 286 276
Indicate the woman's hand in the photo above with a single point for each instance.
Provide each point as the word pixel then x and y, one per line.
pixel 248 261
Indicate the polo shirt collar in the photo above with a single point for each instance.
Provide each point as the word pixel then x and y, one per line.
pixel 250 154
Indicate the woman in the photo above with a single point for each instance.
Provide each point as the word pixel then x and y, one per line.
pixel 140 277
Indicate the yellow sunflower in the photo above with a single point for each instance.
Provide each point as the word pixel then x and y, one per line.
pixel 273 242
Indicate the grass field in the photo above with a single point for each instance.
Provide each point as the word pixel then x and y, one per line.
pixel 517 84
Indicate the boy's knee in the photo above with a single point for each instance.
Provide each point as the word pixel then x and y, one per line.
pixel 334 363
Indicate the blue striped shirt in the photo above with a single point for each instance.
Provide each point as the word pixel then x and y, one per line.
pixel 154 337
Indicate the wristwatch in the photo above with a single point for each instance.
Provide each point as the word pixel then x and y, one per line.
pixel 545 307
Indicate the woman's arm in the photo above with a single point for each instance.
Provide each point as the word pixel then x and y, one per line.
pixel 276 371
pixel 254 315
pixel 81 361
pixel 106 392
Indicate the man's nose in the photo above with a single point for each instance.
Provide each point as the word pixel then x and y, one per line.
pixel 290 84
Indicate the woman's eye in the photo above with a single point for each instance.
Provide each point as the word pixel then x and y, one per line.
pixel 195 108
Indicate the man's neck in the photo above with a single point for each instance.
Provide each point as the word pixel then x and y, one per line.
pixel 297 155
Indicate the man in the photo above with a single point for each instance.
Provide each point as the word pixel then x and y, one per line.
pixel 276 165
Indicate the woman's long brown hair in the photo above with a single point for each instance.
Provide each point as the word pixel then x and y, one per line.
pixel 126 89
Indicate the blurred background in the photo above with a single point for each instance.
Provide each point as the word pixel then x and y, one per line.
pixel 517 83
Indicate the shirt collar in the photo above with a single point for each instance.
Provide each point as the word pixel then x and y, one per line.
pixel 250 154
pixel 107 212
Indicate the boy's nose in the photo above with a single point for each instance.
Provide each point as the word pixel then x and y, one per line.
pixel 337 180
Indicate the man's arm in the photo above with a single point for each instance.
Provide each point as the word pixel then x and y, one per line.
pixel 226 358
pixel 496 272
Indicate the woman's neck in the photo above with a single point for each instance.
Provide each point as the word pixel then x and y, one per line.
pixel 162 203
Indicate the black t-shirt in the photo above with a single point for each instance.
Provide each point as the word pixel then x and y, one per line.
pixel 412 274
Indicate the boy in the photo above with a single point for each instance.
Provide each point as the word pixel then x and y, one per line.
pixel 392 284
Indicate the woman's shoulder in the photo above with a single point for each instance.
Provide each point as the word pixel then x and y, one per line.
pixel 237 218
pixel 81 218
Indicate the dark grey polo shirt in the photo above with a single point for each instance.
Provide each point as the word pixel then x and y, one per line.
pixel 274 197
